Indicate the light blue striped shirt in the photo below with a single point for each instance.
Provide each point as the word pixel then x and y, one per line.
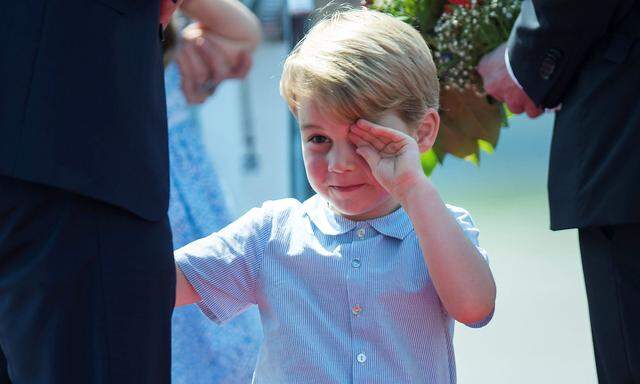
pixel 340 301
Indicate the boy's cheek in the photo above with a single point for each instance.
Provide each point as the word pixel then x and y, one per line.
pixel 316 168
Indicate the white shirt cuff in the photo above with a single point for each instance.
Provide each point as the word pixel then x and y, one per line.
pixel 513 77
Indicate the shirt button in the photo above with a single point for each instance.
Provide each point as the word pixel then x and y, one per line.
pixel 356 309
pixel 360 233
pixel 361 358
pixel 355 263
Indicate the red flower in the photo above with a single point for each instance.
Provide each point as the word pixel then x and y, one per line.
pixel 460 3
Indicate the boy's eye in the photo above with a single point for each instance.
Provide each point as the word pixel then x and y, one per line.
pixel 317 139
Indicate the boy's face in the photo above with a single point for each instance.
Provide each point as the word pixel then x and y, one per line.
pixel 336 171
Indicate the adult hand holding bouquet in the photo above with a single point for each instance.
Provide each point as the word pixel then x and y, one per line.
pixel 460 33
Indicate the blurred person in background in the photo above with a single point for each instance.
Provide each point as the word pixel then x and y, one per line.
pixel 84 190
pixel 216 47
pixel 584 56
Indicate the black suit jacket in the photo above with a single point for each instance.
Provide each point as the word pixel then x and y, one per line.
pixel 82 103
pixel 585 54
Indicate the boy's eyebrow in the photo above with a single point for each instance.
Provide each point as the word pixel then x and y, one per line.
pixel 311 126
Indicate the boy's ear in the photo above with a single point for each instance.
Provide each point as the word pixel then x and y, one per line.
pixel 427 130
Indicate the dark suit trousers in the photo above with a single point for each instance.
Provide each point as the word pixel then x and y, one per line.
pixel 86 290
pixel 611 264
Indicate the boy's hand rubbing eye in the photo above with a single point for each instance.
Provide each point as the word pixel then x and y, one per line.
pixel 392 155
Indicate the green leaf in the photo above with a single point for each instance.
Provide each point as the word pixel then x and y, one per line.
pixel 465 118
pixel 507 111
pixel 473 159
pixel 428 13
pixel 429 161
pixel 485 146
pixel 469 123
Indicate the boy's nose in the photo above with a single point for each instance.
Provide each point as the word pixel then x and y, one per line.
pixel 342 158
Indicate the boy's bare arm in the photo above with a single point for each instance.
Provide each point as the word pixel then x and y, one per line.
pixel 461 276
pixel 185 294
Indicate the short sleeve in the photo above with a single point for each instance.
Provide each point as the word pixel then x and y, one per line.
pixel 224 267
pixel 469 228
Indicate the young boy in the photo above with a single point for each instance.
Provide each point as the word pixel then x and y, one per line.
pixel 360 283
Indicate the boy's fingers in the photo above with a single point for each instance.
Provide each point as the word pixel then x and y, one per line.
pixel 357 140
pixel 369 154
pixel 393 148
pixel 386 134
pixel 366 125
pixel 384 145
pixel 366 135
pixel 369 126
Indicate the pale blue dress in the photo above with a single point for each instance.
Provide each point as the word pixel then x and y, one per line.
pixel 203 352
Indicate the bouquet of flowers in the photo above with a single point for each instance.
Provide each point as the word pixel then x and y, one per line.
pixel 459 33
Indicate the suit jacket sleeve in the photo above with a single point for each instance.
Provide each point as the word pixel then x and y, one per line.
pixel 551 39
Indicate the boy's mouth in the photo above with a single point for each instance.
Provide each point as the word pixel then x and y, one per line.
pixel 346 188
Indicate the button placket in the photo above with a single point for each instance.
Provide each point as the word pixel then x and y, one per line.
pixel 357 294
pixel 360 234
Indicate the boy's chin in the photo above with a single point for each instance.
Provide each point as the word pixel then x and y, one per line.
pixel 357 213
pixel 362 208
pixel 345 210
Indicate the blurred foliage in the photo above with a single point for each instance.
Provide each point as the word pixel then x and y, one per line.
pixel 460 32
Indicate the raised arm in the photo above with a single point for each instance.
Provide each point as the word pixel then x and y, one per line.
pixel 460 274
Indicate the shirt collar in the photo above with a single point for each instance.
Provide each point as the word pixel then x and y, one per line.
pixel 396 224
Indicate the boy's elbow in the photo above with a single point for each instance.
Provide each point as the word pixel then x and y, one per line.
pixel 476 310
pixel 474 315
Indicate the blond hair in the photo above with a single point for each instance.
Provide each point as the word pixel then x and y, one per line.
pixel 361 63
